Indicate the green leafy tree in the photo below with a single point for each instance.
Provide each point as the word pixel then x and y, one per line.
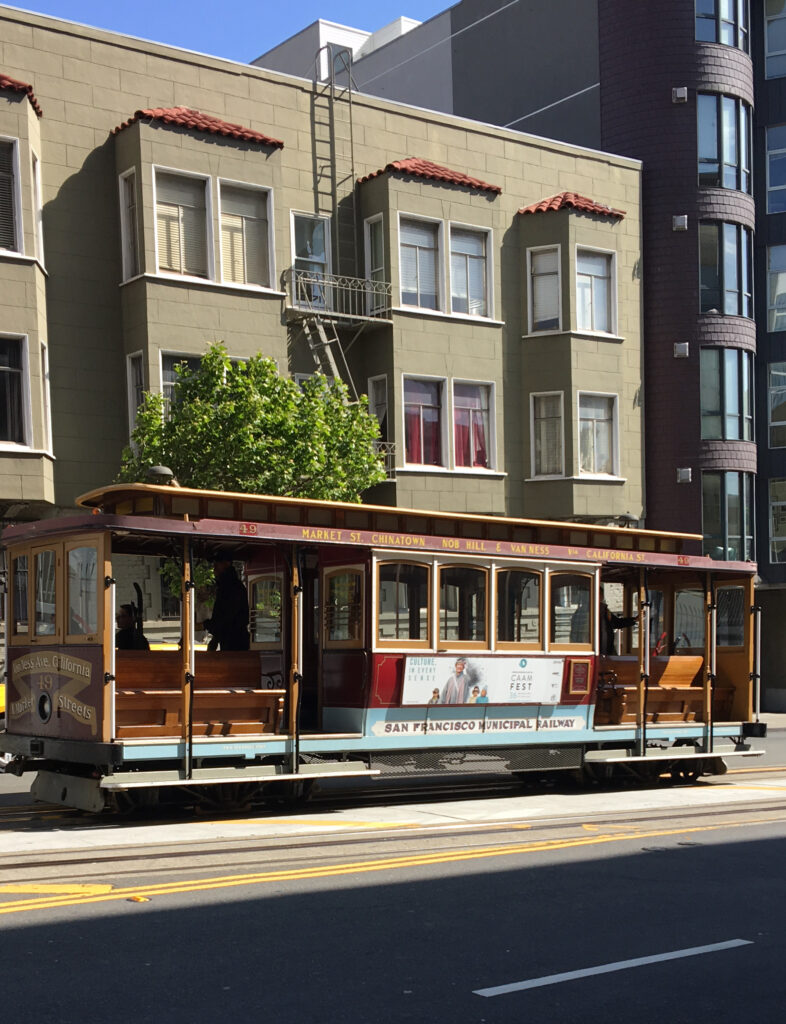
pixel 243 427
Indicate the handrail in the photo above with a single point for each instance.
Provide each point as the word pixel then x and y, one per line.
pixel 357 298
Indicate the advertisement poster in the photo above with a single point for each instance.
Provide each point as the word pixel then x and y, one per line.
pixel 447 679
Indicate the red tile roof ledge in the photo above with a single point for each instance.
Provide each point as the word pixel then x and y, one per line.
pixel 573 201
pixel 184 117
pixel 432 172
pixel 6 82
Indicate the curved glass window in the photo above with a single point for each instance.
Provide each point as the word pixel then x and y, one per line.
pixel 725 271
pixel 723 21
pixel 727 394
pixel 727 515
pixel 724 142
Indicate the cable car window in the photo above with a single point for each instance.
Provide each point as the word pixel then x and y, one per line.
pixel 21 625
pixel 518 607
pixel 82 591
pixel 731 616
pixel 344 608
pixel 689 619
pixel 462 604
pixel 45 569
pixel 403 602
pixel 267 593
pixel 571 618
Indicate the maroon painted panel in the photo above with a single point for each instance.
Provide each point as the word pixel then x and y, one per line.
pixel 56 691
pixel 344 679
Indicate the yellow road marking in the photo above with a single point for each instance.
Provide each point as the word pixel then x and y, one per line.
pixel 45 888
pixel 363 867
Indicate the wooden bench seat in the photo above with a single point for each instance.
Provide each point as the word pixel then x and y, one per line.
pixel 674 693
pixel 228 696
pixel 216 712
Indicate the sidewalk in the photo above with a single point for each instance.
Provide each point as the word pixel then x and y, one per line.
pixel 774 719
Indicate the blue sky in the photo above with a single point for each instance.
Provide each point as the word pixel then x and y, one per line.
pixel 238 29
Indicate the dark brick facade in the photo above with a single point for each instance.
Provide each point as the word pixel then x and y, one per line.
pixel 646 51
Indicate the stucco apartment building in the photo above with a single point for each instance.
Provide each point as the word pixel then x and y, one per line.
pixel 481 285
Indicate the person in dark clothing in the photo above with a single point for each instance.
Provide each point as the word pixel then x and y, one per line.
pixel 228 625
pixel 128 637
pixel 609 622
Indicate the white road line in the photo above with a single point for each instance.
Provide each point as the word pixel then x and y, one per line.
pixel 620 965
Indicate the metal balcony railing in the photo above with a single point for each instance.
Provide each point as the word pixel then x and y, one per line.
pixel 387 449
pixel 352 298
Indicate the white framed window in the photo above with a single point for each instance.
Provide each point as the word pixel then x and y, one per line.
pixel 38 208
pixel 10 197
pixel 374 232
pixel 169 362
pixel 420 270
pixel 15 414
pixel 775 38
pixel 46 397
pixel 778 521
pixel 776 168
pixel 424 423
pixel 545 289
pixel 311 249
pixel 378 403
pixel 776 287
pixel 129 225
pixel 469 271
pixel 598 434
pixel 595 291
pixel 183 235
pixel 547 434
pixel 244 215
pixel 776 402
pixel 473 425
pixel 135 376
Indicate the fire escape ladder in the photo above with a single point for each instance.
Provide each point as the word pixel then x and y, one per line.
pixel 328 353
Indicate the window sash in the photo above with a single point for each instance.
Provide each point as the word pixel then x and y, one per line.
pixel 596 434
pixel 8 213
pixel 181 220
pixel 593 291
pixel 547 429
pixel 244 236
pixel 544 290
pixel 423 422
pixel 468 272
pixel 419 246
pixel 12 391
pixel 471 425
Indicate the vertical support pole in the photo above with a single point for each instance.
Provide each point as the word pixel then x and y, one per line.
pixel 644 665
pixel 756 666
pixel 187 653
pixel 111 675
pixel 710 652
pixel 295 660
